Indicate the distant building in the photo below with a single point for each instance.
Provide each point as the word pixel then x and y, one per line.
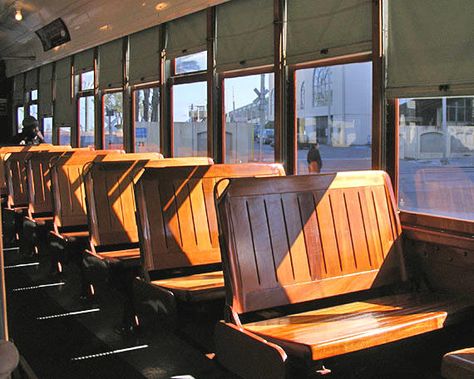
pixel 334 105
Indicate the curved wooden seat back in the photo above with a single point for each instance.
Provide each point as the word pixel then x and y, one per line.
pixel 301 238
pixel 176 212
pixel 38 170
pixel 16 176
pixel 69 202
pixel 108 184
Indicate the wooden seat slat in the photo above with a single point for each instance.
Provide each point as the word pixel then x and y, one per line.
pixel 197 282
pixel 121 254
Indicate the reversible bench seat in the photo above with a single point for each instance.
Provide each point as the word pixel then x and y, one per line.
pixel 289 242
pixel 179 234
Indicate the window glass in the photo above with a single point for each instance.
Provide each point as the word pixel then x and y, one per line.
pixel 34 110
pixel 147 120
pixel 334 120
pixel 20 115
pixel 191 63
pixel 34 95
pixel 64 135
pixel 249 119
pixel 190 119
pixel 87 80
pixel 48 129
pixel 436 152
pixel 86 121
pixel 113 120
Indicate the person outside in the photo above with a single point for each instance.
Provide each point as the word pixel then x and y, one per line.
pixel 30 133
pixel 314 159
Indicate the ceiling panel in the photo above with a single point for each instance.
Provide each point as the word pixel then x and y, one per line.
pixel 90 23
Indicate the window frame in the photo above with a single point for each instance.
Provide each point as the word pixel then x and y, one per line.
pixel 293 107
pixel 85 93
pixel 102 120
pixel 232 75
pixel 187 78
pixel 134 89
pixel 422 226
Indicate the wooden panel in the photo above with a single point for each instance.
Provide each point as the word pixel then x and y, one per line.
pixel 341 227
pixel 39 181
pixel 192 283
pixel 354 326
pixel 16 175
pixel 110 197
pixel 69 202
pixel 176 212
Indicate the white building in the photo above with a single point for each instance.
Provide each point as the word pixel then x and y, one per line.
pixel 334 104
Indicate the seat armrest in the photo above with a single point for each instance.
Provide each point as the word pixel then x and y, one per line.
pixel 247 354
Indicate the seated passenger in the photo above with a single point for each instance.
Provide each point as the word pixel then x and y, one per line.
pixel 30 134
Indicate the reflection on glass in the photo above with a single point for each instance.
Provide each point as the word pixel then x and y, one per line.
pixel 87 80
pixel 436 152
pixel 249 119
pixel 65 135
pixel 48 129
pixel 147 120
pixel 34 95
pixel 34 110
pixel 191 63
pixel 113 120
pixel 190 119
pixel 336 113
pixel 20 115
pixel 86 121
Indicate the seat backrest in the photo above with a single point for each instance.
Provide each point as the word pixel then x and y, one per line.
pixel 110 197
pixel 39 181
pixel 176 212
pixel 69 202
pixel 302 238
pixel 15 172
pixel 108 184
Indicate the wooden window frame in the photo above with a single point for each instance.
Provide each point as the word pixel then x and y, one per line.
pixel 85 93
pixel 138 87
pixel 102 123
pixel 221 80
pixel 293 107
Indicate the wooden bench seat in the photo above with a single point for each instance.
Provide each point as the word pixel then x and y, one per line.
pixel 287 242
pixel 39 220
pixel 458 364
pixel 113 255
pixel 178 231
pixel 17 183
pixel 70 234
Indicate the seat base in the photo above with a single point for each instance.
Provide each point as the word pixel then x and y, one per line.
pixel 194 288
pixel 328 332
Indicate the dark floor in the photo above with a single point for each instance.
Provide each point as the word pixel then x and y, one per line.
pixel 76 346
